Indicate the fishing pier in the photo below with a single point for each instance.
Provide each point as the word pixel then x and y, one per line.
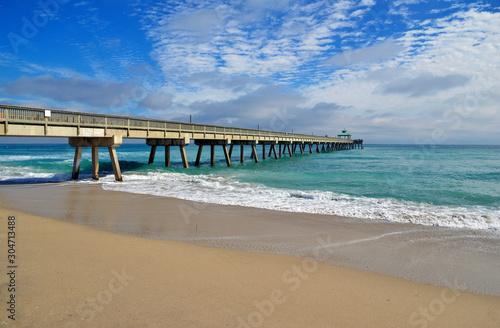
pixel 96 130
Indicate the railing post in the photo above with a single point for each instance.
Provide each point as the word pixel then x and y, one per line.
pixel 6 120
pixel 78 122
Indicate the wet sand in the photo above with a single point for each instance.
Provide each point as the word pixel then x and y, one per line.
pixel 73 275
pixel 431 255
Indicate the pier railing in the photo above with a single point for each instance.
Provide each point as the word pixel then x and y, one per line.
pixel 49 117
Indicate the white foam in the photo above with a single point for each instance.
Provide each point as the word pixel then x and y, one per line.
pixel 229 191
pixel 18 158
pixel 23 175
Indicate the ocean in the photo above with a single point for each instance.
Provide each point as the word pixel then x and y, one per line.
pixel 434 185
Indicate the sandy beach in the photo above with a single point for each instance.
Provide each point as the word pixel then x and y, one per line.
pixel 72 275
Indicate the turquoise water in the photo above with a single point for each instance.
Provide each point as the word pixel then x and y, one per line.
pixel 455 186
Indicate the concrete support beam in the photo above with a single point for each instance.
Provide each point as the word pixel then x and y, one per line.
pixel 114 162
pixel 152 154
pixel 168 142
pixel 231 150
pixel 198 155
pixel 76 163
pixel 184 157
pixel 226 154
pixel 206 142
pixel 95 142
pixel 273 147
pixel 113 141
pixel 212 155
pixel 254 154
pixel 95 163
pixel 167 156
pixel 244 142
pixel 263 151
pixel 242 153
pixel 289 150
pixel 181 142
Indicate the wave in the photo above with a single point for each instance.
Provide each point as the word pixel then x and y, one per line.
pixel 227 190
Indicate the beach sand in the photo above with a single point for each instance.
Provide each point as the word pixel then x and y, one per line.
pixel 72 275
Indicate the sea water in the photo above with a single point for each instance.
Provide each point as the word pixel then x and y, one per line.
pixel 434 185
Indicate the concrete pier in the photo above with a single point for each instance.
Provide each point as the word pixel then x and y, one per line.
pixel 95 131
pixel 110 142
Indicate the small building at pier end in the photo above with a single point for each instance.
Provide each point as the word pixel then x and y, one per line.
pixel 344 135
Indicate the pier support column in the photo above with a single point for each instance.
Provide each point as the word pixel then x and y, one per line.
pixel 242 144
pixel 152 155
pixel 310 148
pixel 167 156
pixel 273 147
pixel 289 150
pixel 212 143
pixel 212 155
pixel 76 163
pixel 323 148
pixel 198 155
pixel 302 146
pixel 226 154
pixel 254 154
pixel 95 163
pixel 185 163
pixel 181 142
pixel 115 163
pixel 95 142
pixel 263 151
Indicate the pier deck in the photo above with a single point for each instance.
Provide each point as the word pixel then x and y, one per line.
pixel 97 130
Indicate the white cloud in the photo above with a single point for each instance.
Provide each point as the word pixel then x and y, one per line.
pixel 217 37
pixel 368 3
pixel 156 101
pixel 74 89
pixel 424 84
pixel 372 54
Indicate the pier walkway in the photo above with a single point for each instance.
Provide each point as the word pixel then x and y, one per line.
pixel 96 130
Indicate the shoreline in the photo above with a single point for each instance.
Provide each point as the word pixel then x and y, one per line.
pixel 431 255
pixel 76 276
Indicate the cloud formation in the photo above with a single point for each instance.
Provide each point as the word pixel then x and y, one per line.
pixel 91 92
pixel 156 101
pixel 425 84
pixel 377 68
pixel 367 55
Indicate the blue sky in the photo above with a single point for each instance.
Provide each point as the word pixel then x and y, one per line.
pixel 404 71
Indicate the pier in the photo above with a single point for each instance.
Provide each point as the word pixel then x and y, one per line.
pixel 97 130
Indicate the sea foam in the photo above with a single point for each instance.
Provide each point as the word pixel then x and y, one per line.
pixel 227 190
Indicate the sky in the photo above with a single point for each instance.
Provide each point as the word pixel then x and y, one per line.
pixel 404 71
